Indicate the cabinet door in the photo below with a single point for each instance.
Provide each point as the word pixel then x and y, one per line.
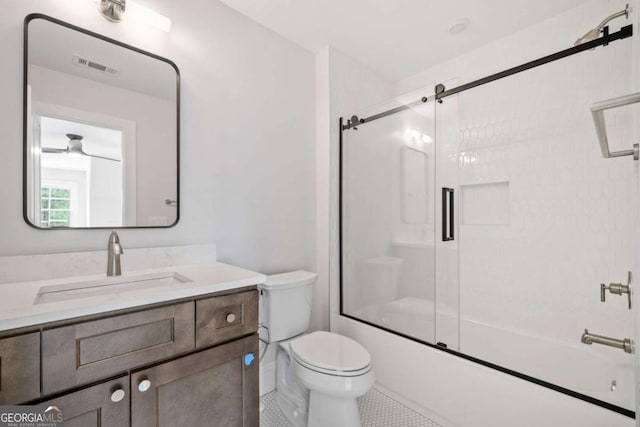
pixel 215 387
pixel 102 405
pixel 19 368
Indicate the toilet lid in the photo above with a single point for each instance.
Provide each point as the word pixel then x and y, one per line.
pixel 330 351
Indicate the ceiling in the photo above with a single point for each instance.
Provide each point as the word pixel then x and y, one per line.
pixel 397 38
pixel 53 46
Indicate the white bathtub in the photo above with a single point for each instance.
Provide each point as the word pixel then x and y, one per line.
pixel 574 366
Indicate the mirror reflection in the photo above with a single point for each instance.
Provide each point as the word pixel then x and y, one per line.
pixel 101 132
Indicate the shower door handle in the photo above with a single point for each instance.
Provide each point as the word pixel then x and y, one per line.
pixel 447 214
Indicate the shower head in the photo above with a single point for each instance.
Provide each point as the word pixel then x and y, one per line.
pixel 590 35
pixel 595 32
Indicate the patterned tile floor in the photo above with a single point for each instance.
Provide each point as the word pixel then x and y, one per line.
pixel 376 410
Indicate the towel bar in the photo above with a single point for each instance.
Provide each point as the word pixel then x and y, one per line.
pixel 598 109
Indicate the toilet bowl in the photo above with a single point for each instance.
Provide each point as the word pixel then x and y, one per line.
pixel 336 370
pixel 319 375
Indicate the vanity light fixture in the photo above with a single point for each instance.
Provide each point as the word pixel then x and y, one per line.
pixel 114 10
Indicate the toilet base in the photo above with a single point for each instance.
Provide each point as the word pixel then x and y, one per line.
pixel 332 411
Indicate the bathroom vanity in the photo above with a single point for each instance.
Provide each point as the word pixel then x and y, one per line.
pixel 174 353
pixel 173 344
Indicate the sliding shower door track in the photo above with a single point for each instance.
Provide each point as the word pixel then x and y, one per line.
pixel 538 381
pixel 440 92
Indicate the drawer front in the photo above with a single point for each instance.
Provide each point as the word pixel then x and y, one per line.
pixel 226 317
pixel 102 405
pixel 19 369
pixel 85 352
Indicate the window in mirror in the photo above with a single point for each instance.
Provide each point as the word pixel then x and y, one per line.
pixel 56 206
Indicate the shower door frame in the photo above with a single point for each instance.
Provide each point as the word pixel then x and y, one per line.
pixel 440 92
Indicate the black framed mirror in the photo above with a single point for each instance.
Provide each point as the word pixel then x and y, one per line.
pixel 101 131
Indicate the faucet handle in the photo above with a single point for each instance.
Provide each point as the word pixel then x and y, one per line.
pixel 618 289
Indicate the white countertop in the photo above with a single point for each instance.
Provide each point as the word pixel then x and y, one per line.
pixel 18 308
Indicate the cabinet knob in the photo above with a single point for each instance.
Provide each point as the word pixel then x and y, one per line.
pixel 231 318
pixel 117 395
pixel 144 385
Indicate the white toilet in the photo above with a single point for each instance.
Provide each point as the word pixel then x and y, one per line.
pixel 319 375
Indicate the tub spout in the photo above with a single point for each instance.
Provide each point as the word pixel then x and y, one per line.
pixel 589 338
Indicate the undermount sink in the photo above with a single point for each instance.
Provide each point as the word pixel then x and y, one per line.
pixel 75 290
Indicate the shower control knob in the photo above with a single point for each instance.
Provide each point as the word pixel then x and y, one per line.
pixel 231 318
pixel 617 289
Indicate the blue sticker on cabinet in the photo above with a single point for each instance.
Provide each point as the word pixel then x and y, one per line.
pixel 248 359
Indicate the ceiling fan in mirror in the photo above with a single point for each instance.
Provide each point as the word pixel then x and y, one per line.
pixel 74 147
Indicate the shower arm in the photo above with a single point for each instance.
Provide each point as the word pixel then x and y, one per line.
pixel 611 17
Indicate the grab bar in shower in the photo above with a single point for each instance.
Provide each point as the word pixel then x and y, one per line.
pixel 598 109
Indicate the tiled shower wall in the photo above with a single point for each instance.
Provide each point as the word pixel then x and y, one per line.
pixel 560 218
pixel 570 218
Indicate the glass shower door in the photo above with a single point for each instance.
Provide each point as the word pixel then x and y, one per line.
pixel 544 220
pixel 388 226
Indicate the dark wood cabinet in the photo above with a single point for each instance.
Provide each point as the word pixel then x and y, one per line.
pixel 218 386
pixel 222 318
pixel 162 378
pixel 102 405
pixel 19 368
pixel 90 351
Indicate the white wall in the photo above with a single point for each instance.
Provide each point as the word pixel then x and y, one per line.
pixel 105 193
pixel 342 87
pixel 320 307
pixel 460 391
pixel 247 127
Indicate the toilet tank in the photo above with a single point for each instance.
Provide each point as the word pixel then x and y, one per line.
pixel 285 304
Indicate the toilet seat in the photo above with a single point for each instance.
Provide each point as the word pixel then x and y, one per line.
pixel 331 354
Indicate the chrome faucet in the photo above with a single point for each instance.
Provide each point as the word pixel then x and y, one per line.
pixel 115 250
